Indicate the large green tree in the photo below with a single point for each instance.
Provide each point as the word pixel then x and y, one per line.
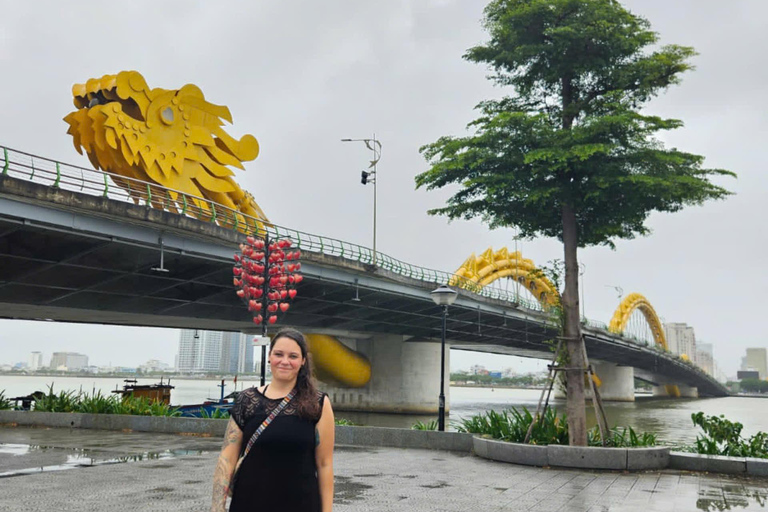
pixel 570 153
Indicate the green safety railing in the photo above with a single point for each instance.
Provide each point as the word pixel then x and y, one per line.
pixel 63 176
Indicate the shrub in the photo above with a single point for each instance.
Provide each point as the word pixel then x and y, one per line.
pixel 512 425
pixel 621 438
pixel 345 422
pixel 216 414
pixel 723 437
pixel 69 401
pixel 65 401
pixel 430 425
pixel 4 402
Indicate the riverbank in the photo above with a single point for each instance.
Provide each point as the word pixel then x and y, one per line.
pixel 485 386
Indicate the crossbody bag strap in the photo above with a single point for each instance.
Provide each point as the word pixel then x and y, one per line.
pixel 268 420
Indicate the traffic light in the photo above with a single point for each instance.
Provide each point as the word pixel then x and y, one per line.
pixel 364 177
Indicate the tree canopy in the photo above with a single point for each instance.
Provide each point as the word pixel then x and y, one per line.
pixel 572 132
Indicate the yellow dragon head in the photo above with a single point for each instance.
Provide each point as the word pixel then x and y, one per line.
pixel 171 138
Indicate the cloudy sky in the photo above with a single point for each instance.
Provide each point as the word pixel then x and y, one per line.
pixel 302 75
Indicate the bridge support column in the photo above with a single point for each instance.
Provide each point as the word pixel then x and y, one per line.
pixel 688 391
pixel 676 391
pixel 617 383
pixel 405 377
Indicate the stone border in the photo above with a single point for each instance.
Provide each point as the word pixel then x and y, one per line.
pixel 719 464
pixel 161 424
pixel 358 436
pixel 632 459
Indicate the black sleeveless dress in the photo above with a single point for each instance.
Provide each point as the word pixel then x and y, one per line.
pixel 279 473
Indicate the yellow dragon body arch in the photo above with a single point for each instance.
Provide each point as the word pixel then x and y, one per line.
pixel 171 138
pixel 479 271
pixel 630 303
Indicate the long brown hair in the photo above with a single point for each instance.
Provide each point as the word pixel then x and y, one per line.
pixel 306 399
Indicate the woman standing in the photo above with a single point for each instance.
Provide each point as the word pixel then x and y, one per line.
pixel 290 466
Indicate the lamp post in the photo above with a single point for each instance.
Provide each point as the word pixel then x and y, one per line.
pixel 582 269
pixel 370 177
pixel 442 296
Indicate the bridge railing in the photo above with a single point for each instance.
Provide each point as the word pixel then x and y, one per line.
pixel 64 176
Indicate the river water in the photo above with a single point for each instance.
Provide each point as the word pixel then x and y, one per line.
pixel 669 418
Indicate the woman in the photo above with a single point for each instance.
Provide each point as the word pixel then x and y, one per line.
pixel 290 466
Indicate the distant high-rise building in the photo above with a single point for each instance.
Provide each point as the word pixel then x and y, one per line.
pixel 236 353
pixel 705 358
pixel 681 340
pixel 35 361
pixel 69 361
pixel 214 351
pixel 757 359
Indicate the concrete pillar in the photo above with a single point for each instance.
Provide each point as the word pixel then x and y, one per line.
pixel 405 377
pixel 617 383
pixel 687 391
pixel 666 390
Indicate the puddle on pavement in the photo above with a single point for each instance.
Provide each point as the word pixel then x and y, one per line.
pixel 81 458
pixel 732 497
pixel 345 490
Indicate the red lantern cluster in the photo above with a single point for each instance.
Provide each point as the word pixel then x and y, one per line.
pixel 266 273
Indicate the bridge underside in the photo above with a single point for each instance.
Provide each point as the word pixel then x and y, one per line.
pixel 71 257
pixel 68 266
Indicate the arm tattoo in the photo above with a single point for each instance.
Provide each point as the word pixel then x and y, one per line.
pixel 317 437
pixel 232 435
pixel 221 479
pixel 224 469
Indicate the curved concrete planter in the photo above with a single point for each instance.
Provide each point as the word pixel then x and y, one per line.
pixel 632 459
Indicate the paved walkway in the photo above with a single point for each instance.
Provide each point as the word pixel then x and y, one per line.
pixel 86 470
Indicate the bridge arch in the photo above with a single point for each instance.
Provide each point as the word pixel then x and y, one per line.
pixel 480 271
pixel 630 303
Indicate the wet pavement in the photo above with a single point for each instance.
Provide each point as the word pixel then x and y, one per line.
pixel 86 470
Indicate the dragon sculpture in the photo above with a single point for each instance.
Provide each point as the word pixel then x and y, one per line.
pixel 171 138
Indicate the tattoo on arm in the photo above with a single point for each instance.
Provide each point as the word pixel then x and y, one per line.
pixel 225 467
pixel 232 435
pixel 221 484
pixel 317 437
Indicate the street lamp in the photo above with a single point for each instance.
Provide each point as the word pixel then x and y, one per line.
pixel 582 269
pixel 370 177
pixel 442 296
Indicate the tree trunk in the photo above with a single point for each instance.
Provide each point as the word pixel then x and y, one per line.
pixel 577 417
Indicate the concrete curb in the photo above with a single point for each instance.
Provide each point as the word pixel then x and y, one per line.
pixel 162 424
pixel 404 438
pixel 709 463
pixel 358 436
pixel 632 459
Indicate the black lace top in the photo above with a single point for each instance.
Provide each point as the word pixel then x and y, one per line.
pixel 280 471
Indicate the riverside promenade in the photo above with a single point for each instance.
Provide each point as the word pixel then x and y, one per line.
pixel 43 469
